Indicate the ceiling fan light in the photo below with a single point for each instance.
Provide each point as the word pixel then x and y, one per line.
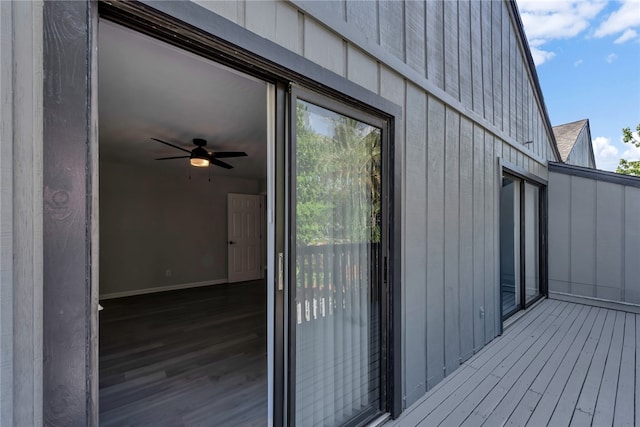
pixel 199 162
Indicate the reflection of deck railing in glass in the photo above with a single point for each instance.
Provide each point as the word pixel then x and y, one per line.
pixel 334 277
pixel 337 332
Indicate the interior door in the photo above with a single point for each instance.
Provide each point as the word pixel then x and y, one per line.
pixel 244 240
pixel 336 305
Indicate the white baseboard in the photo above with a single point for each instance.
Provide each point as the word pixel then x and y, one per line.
pixel 162 289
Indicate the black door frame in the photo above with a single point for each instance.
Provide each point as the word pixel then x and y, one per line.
pixel 525 176
pixel 301 93
pixel 70 374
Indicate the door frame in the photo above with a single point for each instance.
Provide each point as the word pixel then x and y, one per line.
pixel 298 92
pixel 525 176
pixel 70 276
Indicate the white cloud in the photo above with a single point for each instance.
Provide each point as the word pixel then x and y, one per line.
pixel 612 57
pixel 629 34
pixel 541 56
pixel 548 20
pixel 578 63
pixel 606 154
pixel 555 19
pixel 632 152
pixel 626 17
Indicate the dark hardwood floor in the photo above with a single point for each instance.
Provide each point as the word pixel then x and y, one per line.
pixel 194 357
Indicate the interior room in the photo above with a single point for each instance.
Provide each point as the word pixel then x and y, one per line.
pixel 182 342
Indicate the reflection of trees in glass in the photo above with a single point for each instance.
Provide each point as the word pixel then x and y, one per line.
pixel 338 178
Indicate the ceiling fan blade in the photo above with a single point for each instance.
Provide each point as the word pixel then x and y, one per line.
pixel 223 154
pixel 220 163
pixel 171 145
pixel 169 158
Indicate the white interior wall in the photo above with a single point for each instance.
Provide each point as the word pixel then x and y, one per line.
pixel 158 228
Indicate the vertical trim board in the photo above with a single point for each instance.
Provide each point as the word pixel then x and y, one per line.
pixel 435 241
pixel 365 18
pixel 435 43
pixel 464 54
pixel 392 24
pixel 6 215
pixel 487 61
pixel 479 312
pixel 490 284
pixel 466 310
pixel 451 54
pixel 497 58
pixel 21 207
pixel 476 59
pixel 415 250
pixel 452 242
pixel 415 36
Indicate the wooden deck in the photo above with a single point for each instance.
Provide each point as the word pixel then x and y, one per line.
pixel 561 364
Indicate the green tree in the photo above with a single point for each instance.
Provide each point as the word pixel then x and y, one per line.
pixel 354 164
pixel 630 167
pixel 337 180
pixel 313 206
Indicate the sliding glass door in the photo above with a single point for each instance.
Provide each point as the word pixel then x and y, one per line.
pixel 336 273
pixel 520 237
pixel 510 245
pixel 531 231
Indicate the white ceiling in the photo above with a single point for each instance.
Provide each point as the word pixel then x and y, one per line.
pixel 149 89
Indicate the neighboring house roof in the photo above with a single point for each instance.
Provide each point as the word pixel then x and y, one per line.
pixel 567 135
pixel 571 135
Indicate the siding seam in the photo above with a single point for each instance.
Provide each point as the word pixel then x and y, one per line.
pixel 426 239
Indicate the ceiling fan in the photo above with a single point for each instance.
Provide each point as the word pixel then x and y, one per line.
pixel 200 157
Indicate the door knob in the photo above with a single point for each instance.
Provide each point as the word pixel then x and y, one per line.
pixel 231 242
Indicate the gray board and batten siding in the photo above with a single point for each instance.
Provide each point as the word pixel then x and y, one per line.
pixel 463 78
pixel 594 237
pixel 21 210
pixel 462 74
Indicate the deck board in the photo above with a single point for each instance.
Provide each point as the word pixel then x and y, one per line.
pixel 444 389
pixel 551 385
pixel 624 409
pixel 569 398
pixel 560 364
pixel 467 396
pixel 608 387
pixel 515 383
pixel 519 389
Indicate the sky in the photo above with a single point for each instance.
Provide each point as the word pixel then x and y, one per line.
pixel 587 56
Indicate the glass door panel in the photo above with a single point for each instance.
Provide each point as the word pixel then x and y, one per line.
pixel 510 245
pixel 336 202
pixel 531 241
pixel 520 236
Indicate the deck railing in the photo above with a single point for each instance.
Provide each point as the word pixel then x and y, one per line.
pixel 333 277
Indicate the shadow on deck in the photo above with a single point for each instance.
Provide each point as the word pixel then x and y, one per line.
pixel 560 364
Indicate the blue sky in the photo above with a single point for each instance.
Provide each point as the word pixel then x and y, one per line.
pixel 587 55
